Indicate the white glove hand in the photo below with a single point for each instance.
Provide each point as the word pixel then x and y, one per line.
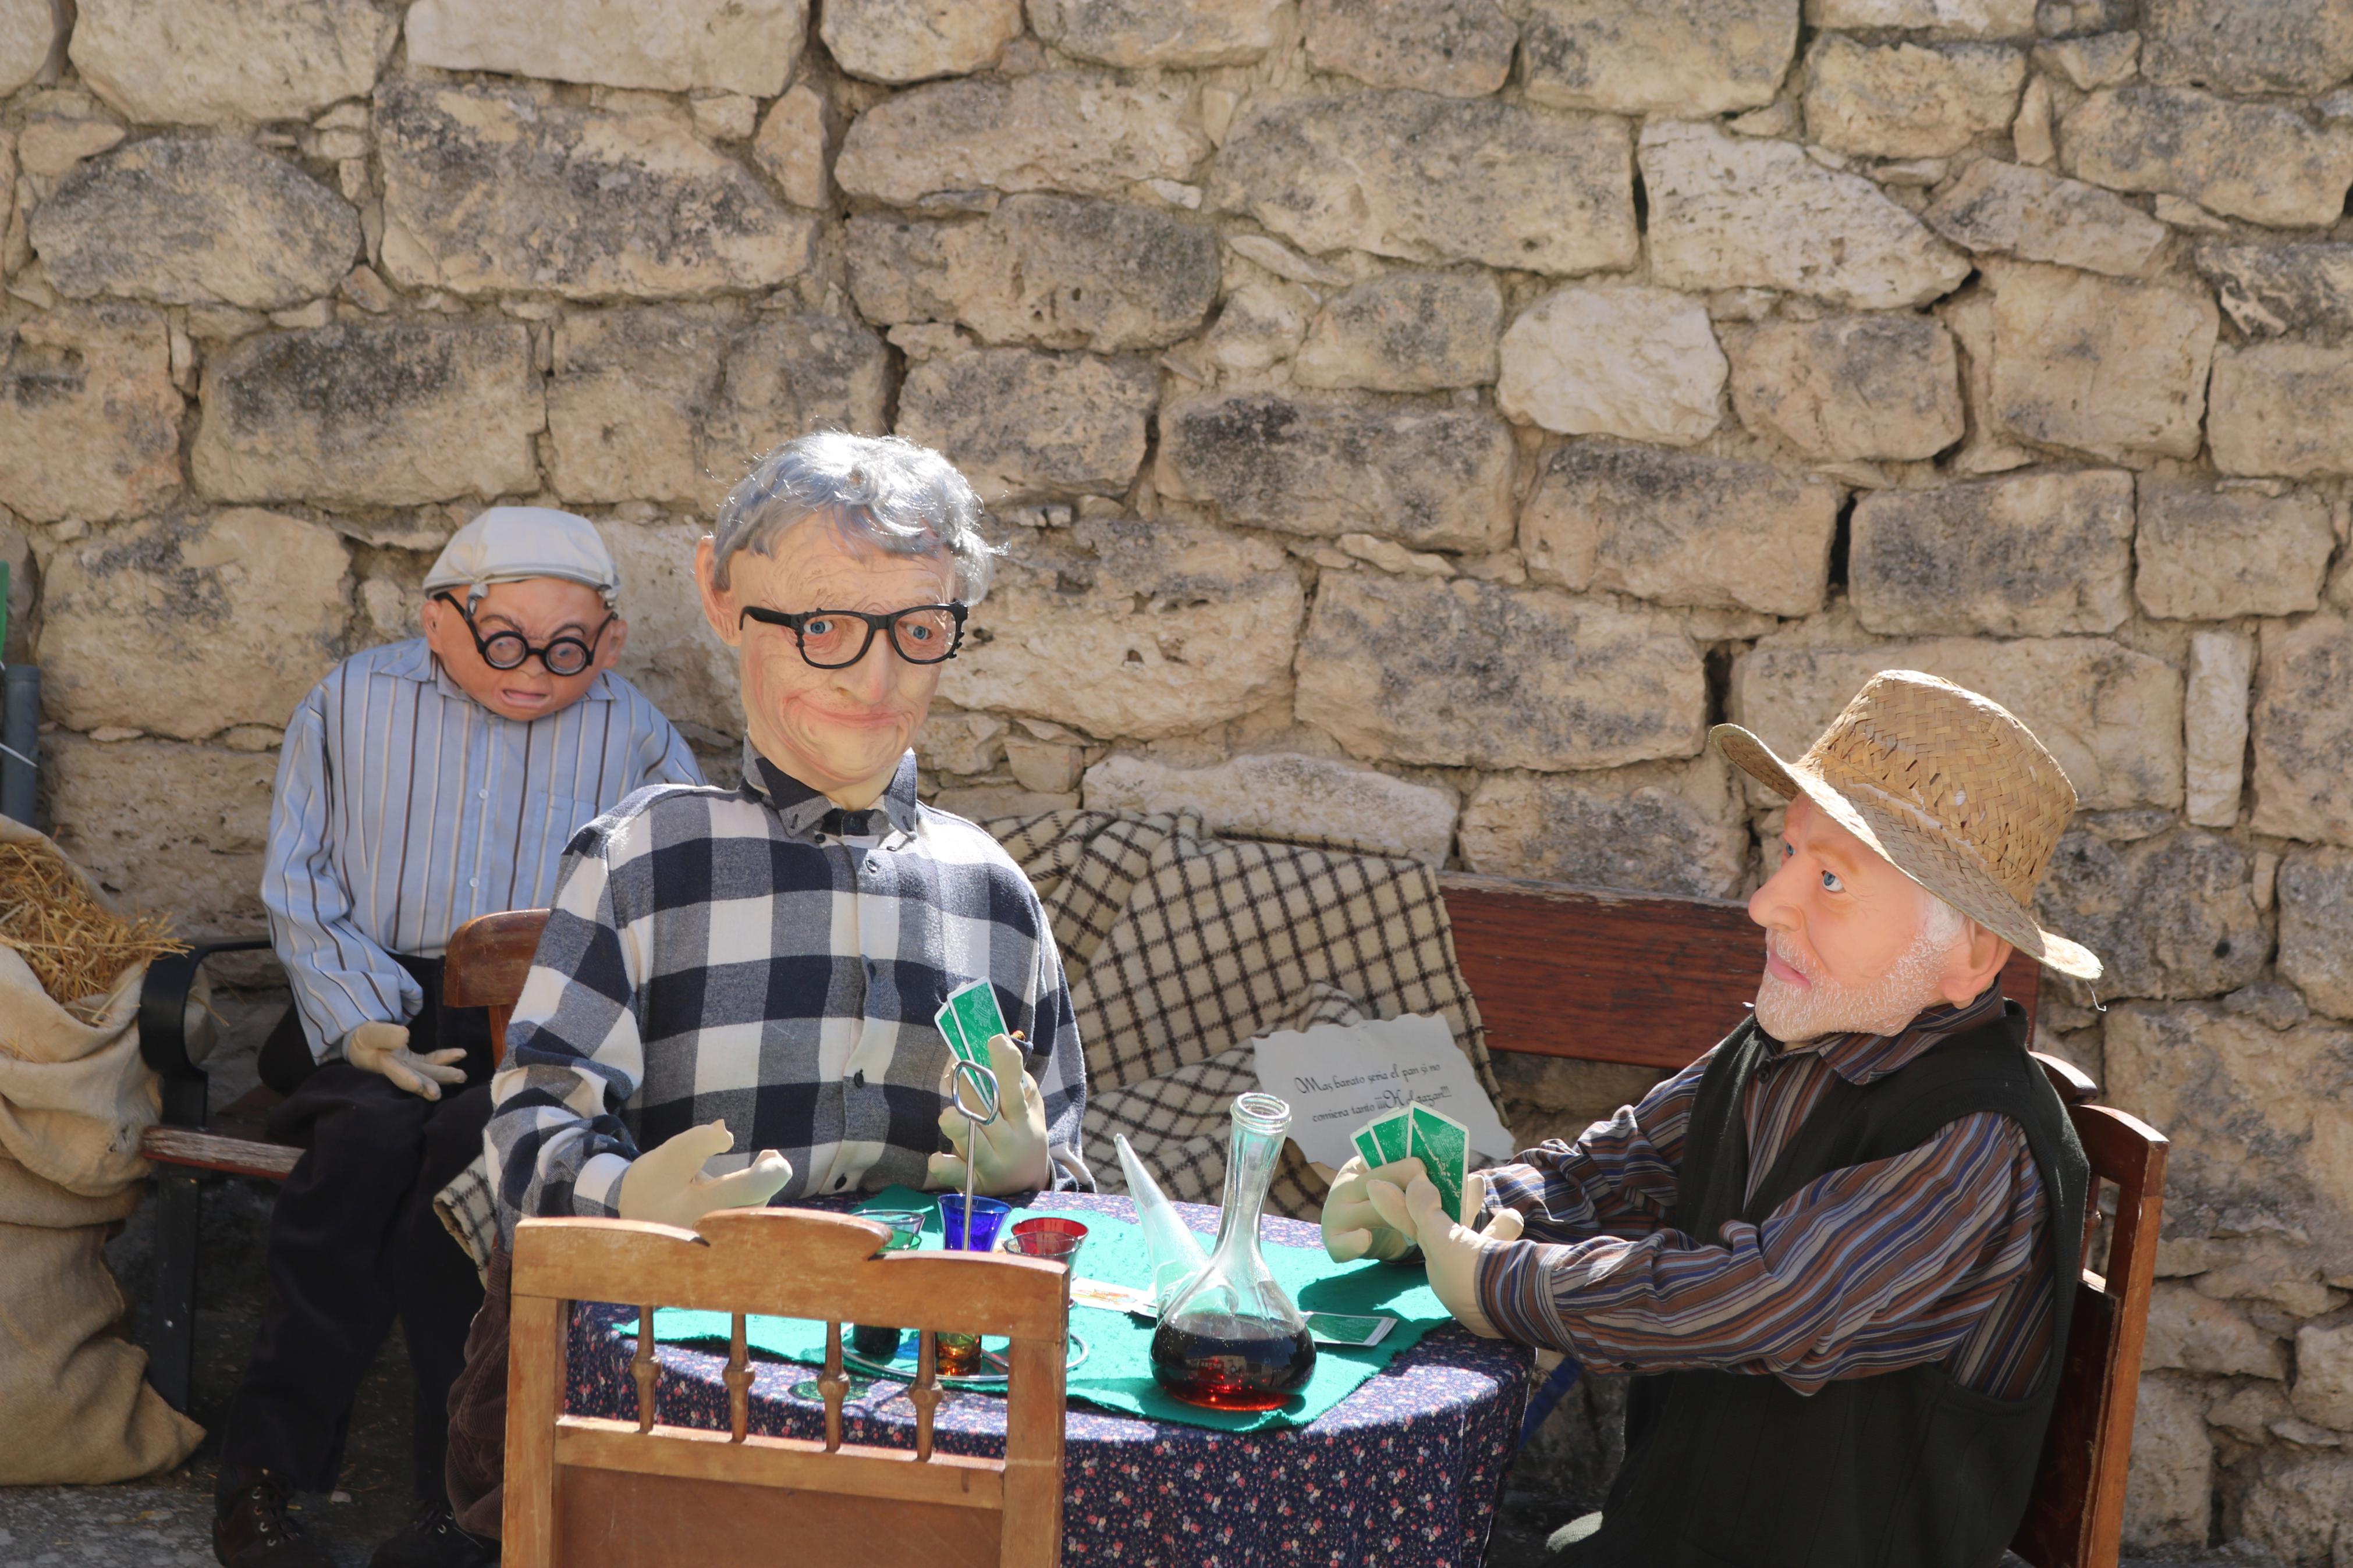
pixel 1352 1228
pixel 1450 1248
pixel 383 1049
pixel 1012 1157
pixel 666 1184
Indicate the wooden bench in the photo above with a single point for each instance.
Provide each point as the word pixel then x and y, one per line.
pixel 1645 979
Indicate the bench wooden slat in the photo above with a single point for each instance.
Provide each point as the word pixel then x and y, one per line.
pixel 211 1151
pixel 1651 979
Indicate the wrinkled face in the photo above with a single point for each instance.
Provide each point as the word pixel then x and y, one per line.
pixel 1847 941
pixel 840 731
pixel 541 609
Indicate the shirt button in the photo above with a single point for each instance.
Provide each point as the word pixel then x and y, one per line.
pixel 473 882
pixel 839 1182
pixel 481 794
pixel 859 1078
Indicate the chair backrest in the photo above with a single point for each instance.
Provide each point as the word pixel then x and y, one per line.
pixel 484 966
pixel 589 1492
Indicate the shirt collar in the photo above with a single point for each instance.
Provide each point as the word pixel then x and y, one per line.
pixel 1866 1058
pixel 806 813
pixel 413 660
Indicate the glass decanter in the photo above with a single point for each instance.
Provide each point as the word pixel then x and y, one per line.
pixel 1233 1340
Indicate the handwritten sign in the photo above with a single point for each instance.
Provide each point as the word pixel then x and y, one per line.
pixel 1337 1077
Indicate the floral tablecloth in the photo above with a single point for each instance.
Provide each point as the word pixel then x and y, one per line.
pixel 1405 1472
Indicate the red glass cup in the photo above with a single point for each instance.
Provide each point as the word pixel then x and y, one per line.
pixel 1047 1236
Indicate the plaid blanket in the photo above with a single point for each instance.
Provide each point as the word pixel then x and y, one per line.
pixel 1181 948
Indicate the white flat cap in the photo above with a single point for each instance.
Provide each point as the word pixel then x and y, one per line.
pixel 507 544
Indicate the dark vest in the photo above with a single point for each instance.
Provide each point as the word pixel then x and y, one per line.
pixel 1901 1469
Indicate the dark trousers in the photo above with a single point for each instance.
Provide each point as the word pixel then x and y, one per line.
pixel 354 1242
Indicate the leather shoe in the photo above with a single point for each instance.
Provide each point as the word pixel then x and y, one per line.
pixel 252 1528
pixel 434 1540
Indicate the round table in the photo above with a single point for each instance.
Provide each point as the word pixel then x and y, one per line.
pixel 1406 1470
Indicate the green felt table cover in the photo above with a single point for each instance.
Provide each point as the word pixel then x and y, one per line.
pixel 1117 1372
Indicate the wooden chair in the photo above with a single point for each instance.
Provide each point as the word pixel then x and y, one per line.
pixel 589 1492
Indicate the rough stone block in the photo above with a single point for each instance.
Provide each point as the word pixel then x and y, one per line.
pixel 1693 58
pixel 2038 215
pixel 1849 387
pixel 2214 725
pixel 27 31
pixel 1731 212
pixel 183 626
pixel 2028 554
pixel 1286 795
pixel 2111 716
pixel 1469 674
pixel 2168 1488
pixel 1461 48
pixel 2281 408
pixel 794 144
pixel 2170 916
pixel 912 40
pixel 1908 100
pixel 1952 19
pixel 2114 369
pixel 952 741
pixel 1623 360
pixel 1055 271
pixel 672 656
pixel 737 46
pixel 2255 160
pixel 165 826
pixel 2268 289
pixel 2190 1332
pixel 2208 554
pixel 627 402
pixel 788 373
pixel 90 421
pixel 2304 731
pixel 1020 424
pixel 2323 1393
pixel 185 220
pixel 1434 474
pixel 1168 34
pixel 1121 627
pixel 1655 827
pixel 374 413
pixel 1434 179
pixel 2296 1508
pixel 1405 331
pixel 2315 929
pixel 206 63
pixel 486 188
pixel 2254 1115
pixel 2284 46
pixel 1081 132
pixel 1680 528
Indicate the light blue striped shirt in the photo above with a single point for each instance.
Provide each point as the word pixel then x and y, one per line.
pixel 405 808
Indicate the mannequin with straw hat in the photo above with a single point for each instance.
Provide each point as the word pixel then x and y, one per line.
pixel 1826 1247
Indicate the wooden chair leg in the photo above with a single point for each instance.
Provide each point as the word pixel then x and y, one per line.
pixel 171 1303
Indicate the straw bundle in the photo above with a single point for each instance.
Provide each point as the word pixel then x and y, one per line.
pixel 75 947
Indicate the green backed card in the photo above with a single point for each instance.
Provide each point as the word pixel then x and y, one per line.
pixel 1443 1146
pixel 1368 1148
pixel 1346 1328
pixel 978 1019
pixel 1394 1134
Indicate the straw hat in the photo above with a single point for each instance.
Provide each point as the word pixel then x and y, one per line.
pixel 1949 788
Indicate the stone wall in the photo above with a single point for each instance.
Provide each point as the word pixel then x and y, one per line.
pixel 1413 420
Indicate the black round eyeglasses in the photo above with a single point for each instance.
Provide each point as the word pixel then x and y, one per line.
pixel 507 650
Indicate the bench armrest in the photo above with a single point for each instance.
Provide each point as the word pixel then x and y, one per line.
pixel 163 1024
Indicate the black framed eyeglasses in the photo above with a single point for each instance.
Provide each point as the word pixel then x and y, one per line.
pixel 836 640
pixel 507 650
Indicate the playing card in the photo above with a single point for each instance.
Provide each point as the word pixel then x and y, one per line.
pixel 977 1018
pixel 1344 1328
pixel 1111 1298
pixel 944 1020
pixel 1368 1147
pixel 1443 1146
pixel 1395 1135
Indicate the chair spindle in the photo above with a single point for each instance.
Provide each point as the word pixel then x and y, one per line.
pixel 834 1385
pixel 924 1393
pixel 642 1368
pixel 739 1384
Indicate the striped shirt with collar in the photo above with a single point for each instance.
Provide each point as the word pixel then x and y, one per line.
pixel 761 955
pixel 404 808
pixel 1932 1257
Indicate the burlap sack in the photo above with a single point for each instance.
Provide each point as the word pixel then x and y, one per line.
pixel 74 1099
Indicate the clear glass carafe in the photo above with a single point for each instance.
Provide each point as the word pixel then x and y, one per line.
pixel 1233 1340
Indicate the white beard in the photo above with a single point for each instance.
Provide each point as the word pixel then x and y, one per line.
pixel 1797 1014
